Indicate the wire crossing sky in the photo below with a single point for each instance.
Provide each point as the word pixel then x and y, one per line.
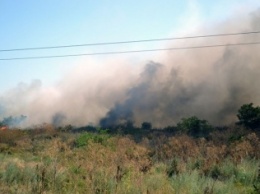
pixel 29 25
pixel 129 42
pixel 133 51
pixel 91 62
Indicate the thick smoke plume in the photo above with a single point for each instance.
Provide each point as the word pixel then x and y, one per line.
pixel 209 83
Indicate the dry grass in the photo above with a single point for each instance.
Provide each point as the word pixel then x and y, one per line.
pixel 47 161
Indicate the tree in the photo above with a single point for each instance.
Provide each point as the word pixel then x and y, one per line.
pixel 146 125
pixel 194 126
pixel 249 116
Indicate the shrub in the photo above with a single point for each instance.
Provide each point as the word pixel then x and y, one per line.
pixel 85 138
pixel 249 116
pixel 173 168
pixel 146 125
pixel 194 126
pixel 12 173
pixel 11 136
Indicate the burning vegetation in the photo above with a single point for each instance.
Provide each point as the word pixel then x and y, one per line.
pixel 182 123
pixel 192 157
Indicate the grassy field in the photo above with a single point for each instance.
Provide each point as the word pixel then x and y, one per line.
pixel 46 160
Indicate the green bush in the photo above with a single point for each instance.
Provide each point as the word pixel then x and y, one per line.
pixel 172 168
pixel 249 116
pixel 12 174
pixel 194 126
pixel 146 125
pixel 100 137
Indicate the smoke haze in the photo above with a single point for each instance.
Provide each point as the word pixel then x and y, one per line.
pixel 209 83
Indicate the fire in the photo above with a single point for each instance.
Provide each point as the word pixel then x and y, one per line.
pixel 3 128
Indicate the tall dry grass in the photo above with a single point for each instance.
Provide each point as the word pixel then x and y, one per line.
pixel 50 161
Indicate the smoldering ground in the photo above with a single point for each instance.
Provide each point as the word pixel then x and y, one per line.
pixel 209 83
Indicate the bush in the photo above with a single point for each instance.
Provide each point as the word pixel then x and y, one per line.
pixel 11 136
pixel 85 138
pixel 146 125
pixel 249 116
pixel 194 126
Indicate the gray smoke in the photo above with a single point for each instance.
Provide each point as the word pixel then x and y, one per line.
pixel 209 83
pixel 81 98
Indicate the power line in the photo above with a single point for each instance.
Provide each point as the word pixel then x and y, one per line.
pixel 133 51
pixel 127 42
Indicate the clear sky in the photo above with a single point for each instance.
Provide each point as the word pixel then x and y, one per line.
pixel 31 23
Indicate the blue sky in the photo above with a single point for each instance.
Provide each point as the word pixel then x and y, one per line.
pixel 31 23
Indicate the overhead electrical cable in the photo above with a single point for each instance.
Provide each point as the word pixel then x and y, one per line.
pixel 127 42
pixel 131 51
